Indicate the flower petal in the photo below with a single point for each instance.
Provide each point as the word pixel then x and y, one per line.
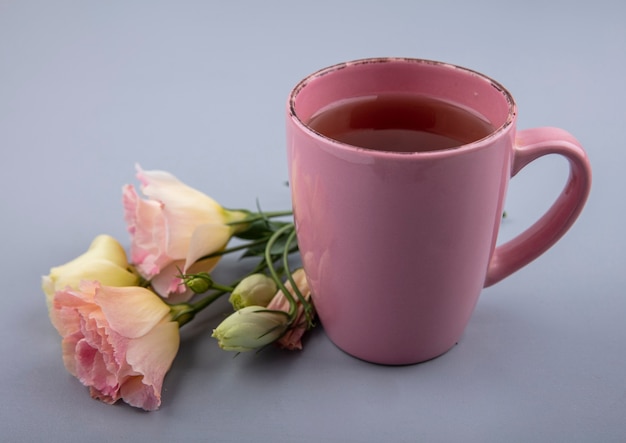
pixel 108 247
pixel 207 239
pixel 131 311
pixel 168 285
pixel 104 261
pixel 250 328
pixel 292 339
pixel 99 269
pixel 151 356
pixel 184 208
pixel 146 224
pixel 67 305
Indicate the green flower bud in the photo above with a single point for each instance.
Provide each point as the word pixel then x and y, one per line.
pixel 250 328
pixel 199 285
pixel 254 290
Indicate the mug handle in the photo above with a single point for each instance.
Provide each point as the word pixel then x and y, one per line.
pixel 530 144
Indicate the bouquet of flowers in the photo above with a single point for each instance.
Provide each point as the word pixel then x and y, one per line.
pixel 119 320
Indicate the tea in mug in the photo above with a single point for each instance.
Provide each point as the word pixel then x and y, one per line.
pixel 400 122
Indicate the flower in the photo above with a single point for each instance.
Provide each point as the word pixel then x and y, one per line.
pixel 292 339
pixel 104 261
pixel 250 328
pixel 254 290
pixel 173 228
pixel 119 342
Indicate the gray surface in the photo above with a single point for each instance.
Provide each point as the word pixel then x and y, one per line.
pixel 197 88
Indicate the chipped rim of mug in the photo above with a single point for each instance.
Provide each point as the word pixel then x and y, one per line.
pixel 497 132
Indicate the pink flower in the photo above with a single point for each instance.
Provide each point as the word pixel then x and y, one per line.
pixel 172 229
pixel 118 341
pixel 292 338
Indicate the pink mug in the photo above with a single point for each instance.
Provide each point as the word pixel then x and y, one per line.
pixel 397 246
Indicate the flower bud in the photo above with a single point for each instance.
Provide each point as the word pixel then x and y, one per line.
pixel 199 284
pixel 250 328
pixel 254 290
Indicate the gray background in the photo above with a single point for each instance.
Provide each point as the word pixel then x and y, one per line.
pixel 88 88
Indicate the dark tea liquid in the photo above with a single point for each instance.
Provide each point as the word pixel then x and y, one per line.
pixel 401 123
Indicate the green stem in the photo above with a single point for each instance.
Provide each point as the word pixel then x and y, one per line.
pixel 183 313
pixel 270 265
pixel 254 216
pixel 234 249
pixel 306 305
pixel 206 301
pixel 223 288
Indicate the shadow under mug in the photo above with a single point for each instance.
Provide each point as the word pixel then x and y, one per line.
pixel 397 246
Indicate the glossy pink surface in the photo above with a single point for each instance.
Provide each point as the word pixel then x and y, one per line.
pixel 398 246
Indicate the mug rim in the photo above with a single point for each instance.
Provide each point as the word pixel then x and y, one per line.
pixel 497 132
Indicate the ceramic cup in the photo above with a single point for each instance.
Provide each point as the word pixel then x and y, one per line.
pixel 397 246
